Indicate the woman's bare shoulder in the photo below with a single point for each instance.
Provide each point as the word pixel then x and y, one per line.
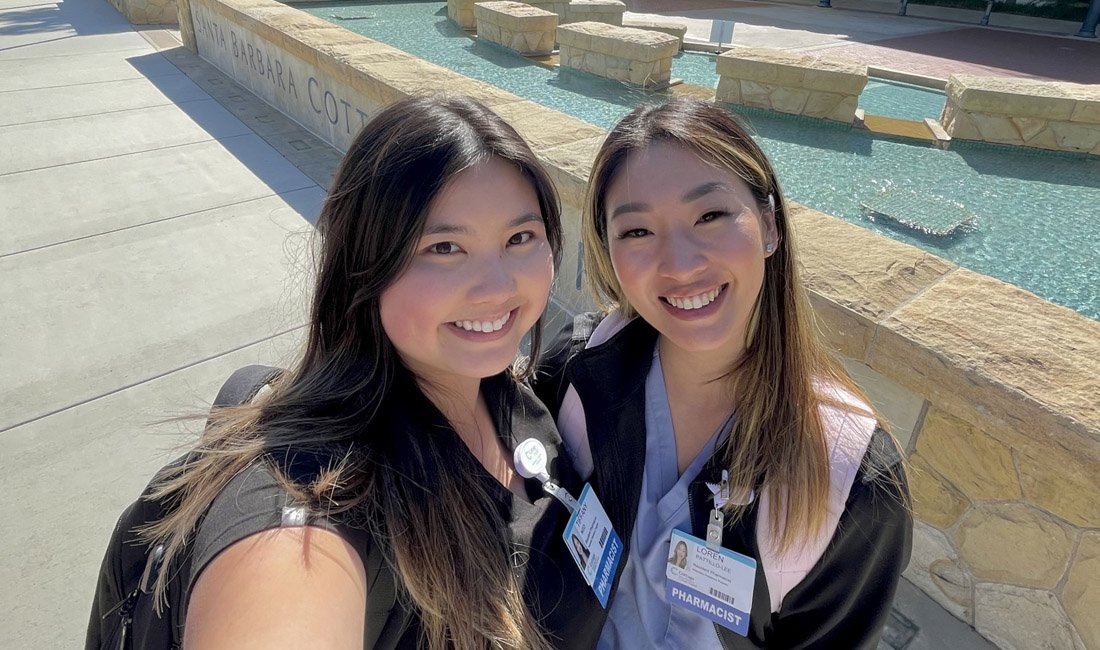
pixel 280 588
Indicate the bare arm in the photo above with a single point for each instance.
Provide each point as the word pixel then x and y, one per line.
pixel 281 588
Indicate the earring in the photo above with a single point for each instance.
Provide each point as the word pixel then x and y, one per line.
pixel 769 248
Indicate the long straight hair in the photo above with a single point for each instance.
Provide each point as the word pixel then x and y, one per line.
pixel 778 435
pixel 451 555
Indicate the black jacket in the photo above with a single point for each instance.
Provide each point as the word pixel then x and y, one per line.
pixel 843 602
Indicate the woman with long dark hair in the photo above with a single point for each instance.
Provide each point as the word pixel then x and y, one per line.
pixel 383 457
pixel 708 412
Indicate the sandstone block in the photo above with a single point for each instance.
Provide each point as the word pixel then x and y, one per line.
pixel 1014 544
pixel 934 568
pixel 845 111
pixel 996 128
pixel 1016 618
pixel 977 464
pixel 822 104
pixel 670 27
pixel 609 12
pixel 1086 111
pixel 462 13
pixel 958 124
pixel 1062 483
pixel 1080 595
pixel 845 331
pixel 1044 140
pixel 1010 96
pixel 787 68
pixel 756 94
pixel 728 90
pixel 148 12
pixel 1028 127
pixel 859 269
pixel 569 166
pixel 517 26
pixel 1075 136
pixel 621 53
pixel 789 100
pixel 1026 381
pixel 934 500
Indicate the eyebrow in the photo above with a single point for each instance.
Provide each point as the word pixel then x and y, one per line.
pixel 693 194
pixel 451 229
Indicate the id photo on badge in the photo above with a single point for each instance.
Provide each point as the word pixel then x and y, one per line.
pixel 679 557
pixel 581 553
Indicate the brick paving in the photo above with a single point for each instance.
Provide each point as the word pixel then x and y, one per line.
pixel 983 51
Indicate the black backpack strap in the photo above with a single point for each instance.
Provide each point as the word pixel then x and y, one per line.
pixel 244 384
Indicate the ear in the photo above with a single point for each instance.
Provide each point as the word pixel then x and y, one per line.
pixel 771 232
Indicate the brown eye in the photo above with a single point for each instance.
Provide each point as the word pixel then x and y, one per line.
pixel 443 248
pixel 521 238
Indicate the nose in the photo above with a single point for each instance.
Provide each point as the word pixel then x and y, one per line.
pixel 495 281
pixel 681 256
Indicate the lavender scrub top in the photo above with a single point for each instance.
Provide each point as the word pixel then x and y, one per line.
pixel 641 617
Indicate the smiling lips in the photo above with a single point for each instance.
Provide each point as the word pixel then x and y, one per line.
pixel 488 326
pixel 699 301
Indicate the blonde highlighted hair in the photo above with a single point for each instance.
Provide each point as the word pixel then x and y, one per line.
pixel 778 437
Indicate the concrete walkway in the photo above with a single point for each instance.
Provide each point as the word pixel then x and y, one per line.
pixel 153 223
pixel 150 243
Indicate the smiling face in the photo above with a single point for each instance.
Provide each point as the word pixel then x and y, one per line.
pixel 479 277
pixel 687 242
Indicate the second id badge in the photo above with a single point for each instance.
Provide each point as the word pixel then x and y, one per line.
pixel 716 583
pixel 594 544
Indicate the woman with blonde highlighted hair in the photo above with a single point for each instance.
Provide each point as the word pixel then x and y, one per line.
pixel 705 408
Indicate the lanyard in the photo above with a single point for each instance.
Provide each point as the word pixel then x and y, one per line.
pixel 530 461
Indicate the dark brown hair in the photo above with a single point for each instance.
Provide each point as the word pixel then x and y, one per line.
pixel 451 555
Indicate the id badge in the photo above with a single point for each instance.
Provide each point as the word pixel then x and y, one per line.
pixel 593 543
pixel 716 584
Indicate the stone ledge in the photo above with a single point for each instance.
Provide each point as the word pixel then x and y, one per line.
pixel 1049 100
pixel 635 44
pixel 519 27
pixel 148 12
pixel 790 83
pixel 782 68
pixel 462 13
pixel 1024 112
pixel 516 16
pixel 669 27
pixel 609 12
pixel 964 344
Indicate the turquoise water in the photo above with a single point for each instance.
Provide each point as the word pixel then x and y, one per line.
pixel 904 101
pixel 1038 226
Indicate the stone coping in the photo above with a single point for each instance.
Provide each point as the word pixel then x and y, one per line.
pixel 1050 100
pixel 670 27
pixel 782 68
pixel 625 42
pixel 601 6
pixel 993 355
pixel 515 16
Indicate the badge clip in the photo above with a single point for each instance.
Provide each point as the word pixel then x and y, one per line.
pixel 721 494
pixel 530 461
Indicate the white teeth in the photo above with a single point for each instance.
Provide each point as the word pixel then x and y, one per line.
pixel 695 302
pixel 483 325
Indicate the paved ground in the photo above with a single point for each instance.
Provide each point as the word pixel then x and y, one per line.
pixel 152 222
pixel 921 46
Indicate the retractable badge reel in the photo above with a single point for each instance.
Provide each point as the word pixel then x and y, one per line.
pixel 530 460
pixel 589 536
